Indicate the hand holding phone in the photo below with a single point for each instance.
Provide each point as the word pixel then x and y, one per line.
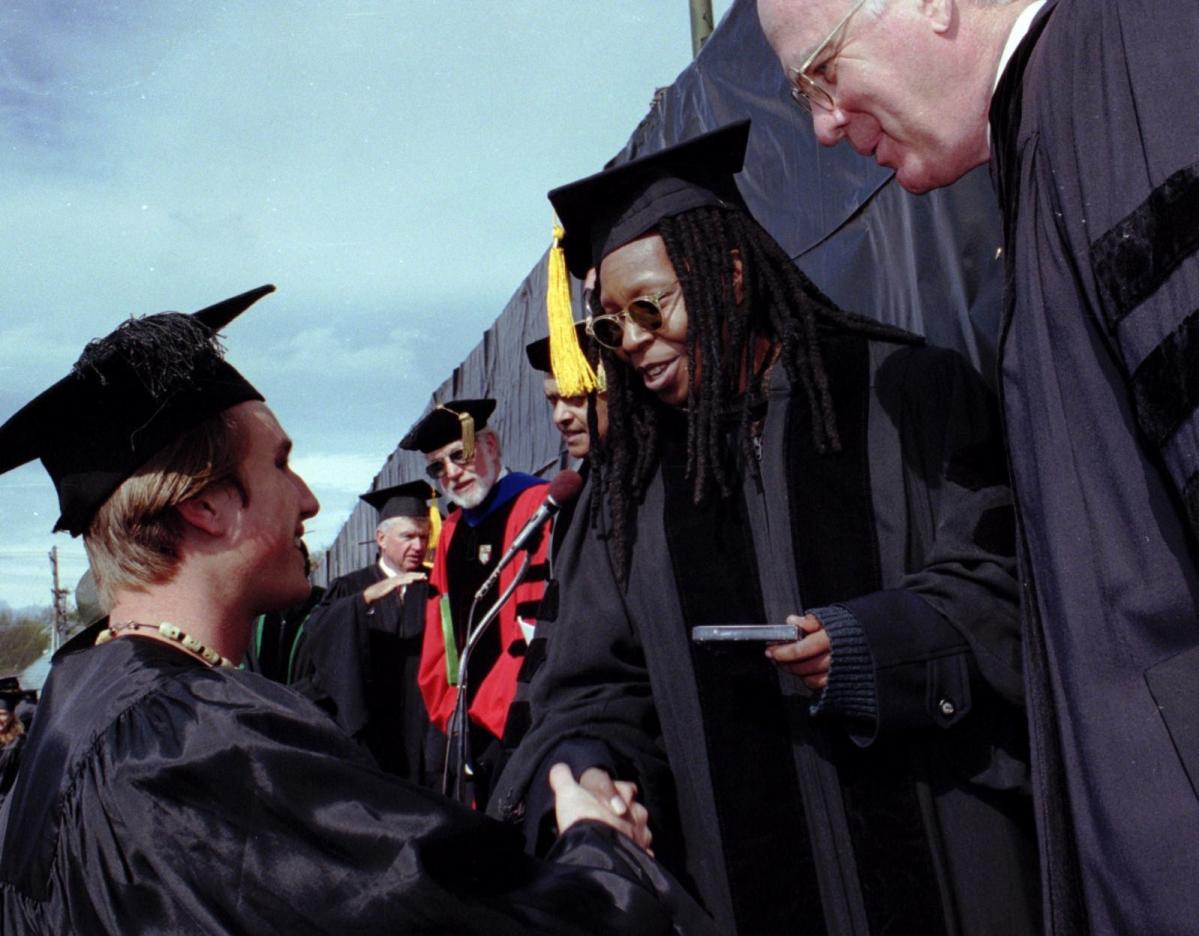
pixel 809 657
pixel 745 633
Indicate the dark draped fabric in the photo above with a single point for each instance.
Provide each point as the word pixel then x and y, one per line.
pixel 716 575
pixel 1096 161
pixel 277 640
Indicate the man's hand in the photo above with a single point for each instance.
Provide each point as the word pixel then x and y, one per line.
pixel 390 584
pixel 809 657
pixel 597 796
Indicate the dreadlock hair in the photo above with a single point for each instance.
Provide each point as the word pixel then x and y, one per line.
pixel 731 345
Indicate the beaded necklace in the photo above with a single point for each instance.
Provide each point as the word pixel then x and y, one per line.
pixel 169 632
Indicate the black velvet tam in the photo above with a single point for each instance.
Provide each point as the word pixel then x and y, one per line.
pixel 402 500
pixel 442 425
pixel 129 394
pixel 618 205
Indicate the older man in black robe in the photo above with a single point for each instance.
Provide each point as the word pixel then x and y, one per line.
pixel 362 643
pixel 1093 146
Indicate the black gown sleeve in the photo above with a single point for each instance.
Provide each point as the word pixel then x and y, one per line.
pixel 590 701
pixel 335 660
pixel 949 629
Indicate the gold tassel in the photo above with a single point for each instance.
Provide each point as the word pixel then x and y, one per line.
pixel 434 533
pixel 467 422
pixel 466 426
pixel 571 370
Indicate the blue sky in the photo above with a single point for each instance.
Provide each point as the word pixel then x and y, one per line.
pixel 384 163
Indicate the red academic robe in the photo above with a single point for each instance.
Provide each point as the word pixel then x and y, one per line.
pixel 496 686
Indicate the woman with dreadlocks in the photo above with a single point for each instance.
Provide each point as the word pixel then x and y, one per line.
pixel 772 459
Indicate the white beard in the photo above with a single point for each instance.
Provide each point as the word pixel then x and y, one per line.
pixel 484 482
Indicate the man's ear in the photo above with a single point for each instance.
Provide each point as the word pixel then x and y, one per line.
pixel 210 511
pixel 738 279
pixel 939 13
pixel 380 535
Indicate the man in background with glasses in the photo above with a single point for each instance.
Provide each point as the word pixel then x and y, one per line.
pixel 1086 111
pixel 464 459
pixel 573 413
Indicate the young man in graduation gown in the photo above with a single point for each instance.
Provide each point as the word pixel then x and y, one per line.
pixel 163 790
pixel 771 458
pixel 362 643
pixel 465 460
pixel 1085 109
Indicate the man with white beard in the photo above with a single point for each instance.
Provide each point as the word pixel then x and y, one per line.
pixel 464 460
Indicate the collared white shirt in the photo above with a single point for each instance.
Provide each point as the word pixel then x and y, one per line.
pixel 391 573
pixel 1019 31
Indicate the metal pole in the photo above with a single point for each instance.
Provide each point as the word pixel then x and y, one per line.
pixel 60 607
pixel 701 24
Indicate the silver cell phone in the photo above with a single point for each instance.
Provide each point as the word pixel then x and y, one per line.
pixel 762 633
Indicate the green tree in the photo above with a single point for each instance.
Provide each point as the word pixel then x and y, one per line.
pixel 24 636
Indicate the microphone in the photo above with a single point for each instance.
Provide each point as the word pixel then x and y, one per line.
pixel 563 489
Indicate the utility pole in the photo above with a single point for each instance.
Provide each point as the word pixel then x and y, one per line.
pixel 60 604
pixel 701 24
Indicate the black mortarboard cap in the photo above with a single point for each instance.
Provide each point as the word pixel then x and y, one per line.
pixel 444 424
pixel 402 500
pixel 538 352
pixel 618 205
pixel 129 394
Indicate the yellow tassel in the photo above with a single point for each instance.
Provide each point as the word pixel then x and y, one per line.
pixel 466 428
pixel 434 533
pixel 571 370
pixel 467 423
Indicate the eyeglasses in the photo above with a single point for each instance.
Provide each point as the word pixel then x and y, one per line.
pixel 438 468
pixel 645 312
pixel 806 90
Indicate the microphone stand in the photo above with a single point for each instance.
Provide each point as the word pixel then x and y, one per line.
pixel 455 778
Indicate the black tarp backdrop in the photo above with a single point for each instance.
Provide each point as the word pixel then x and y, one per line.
pixel 927 263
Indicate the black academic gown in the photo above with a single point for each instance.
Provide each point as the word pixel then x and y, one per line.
pixel 1095 148
pixel 277 640
pixel 159 795
pixel 359 662
pixel 924 828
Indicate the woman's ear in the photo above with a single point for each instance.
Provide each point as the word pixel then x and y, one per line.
pixel 738 281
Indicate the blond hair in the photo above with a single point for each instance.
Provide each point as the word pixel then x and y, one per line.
pixel 133 540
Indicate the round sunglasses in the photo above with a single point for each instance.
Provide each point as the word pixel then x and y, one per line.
pixel 458 456
pixel 645 312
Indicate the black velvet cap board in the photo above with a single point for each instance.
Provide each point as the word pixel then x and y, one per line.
pixel 611 208
pixel 442 425
pixel 129 394
pixel 401 500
